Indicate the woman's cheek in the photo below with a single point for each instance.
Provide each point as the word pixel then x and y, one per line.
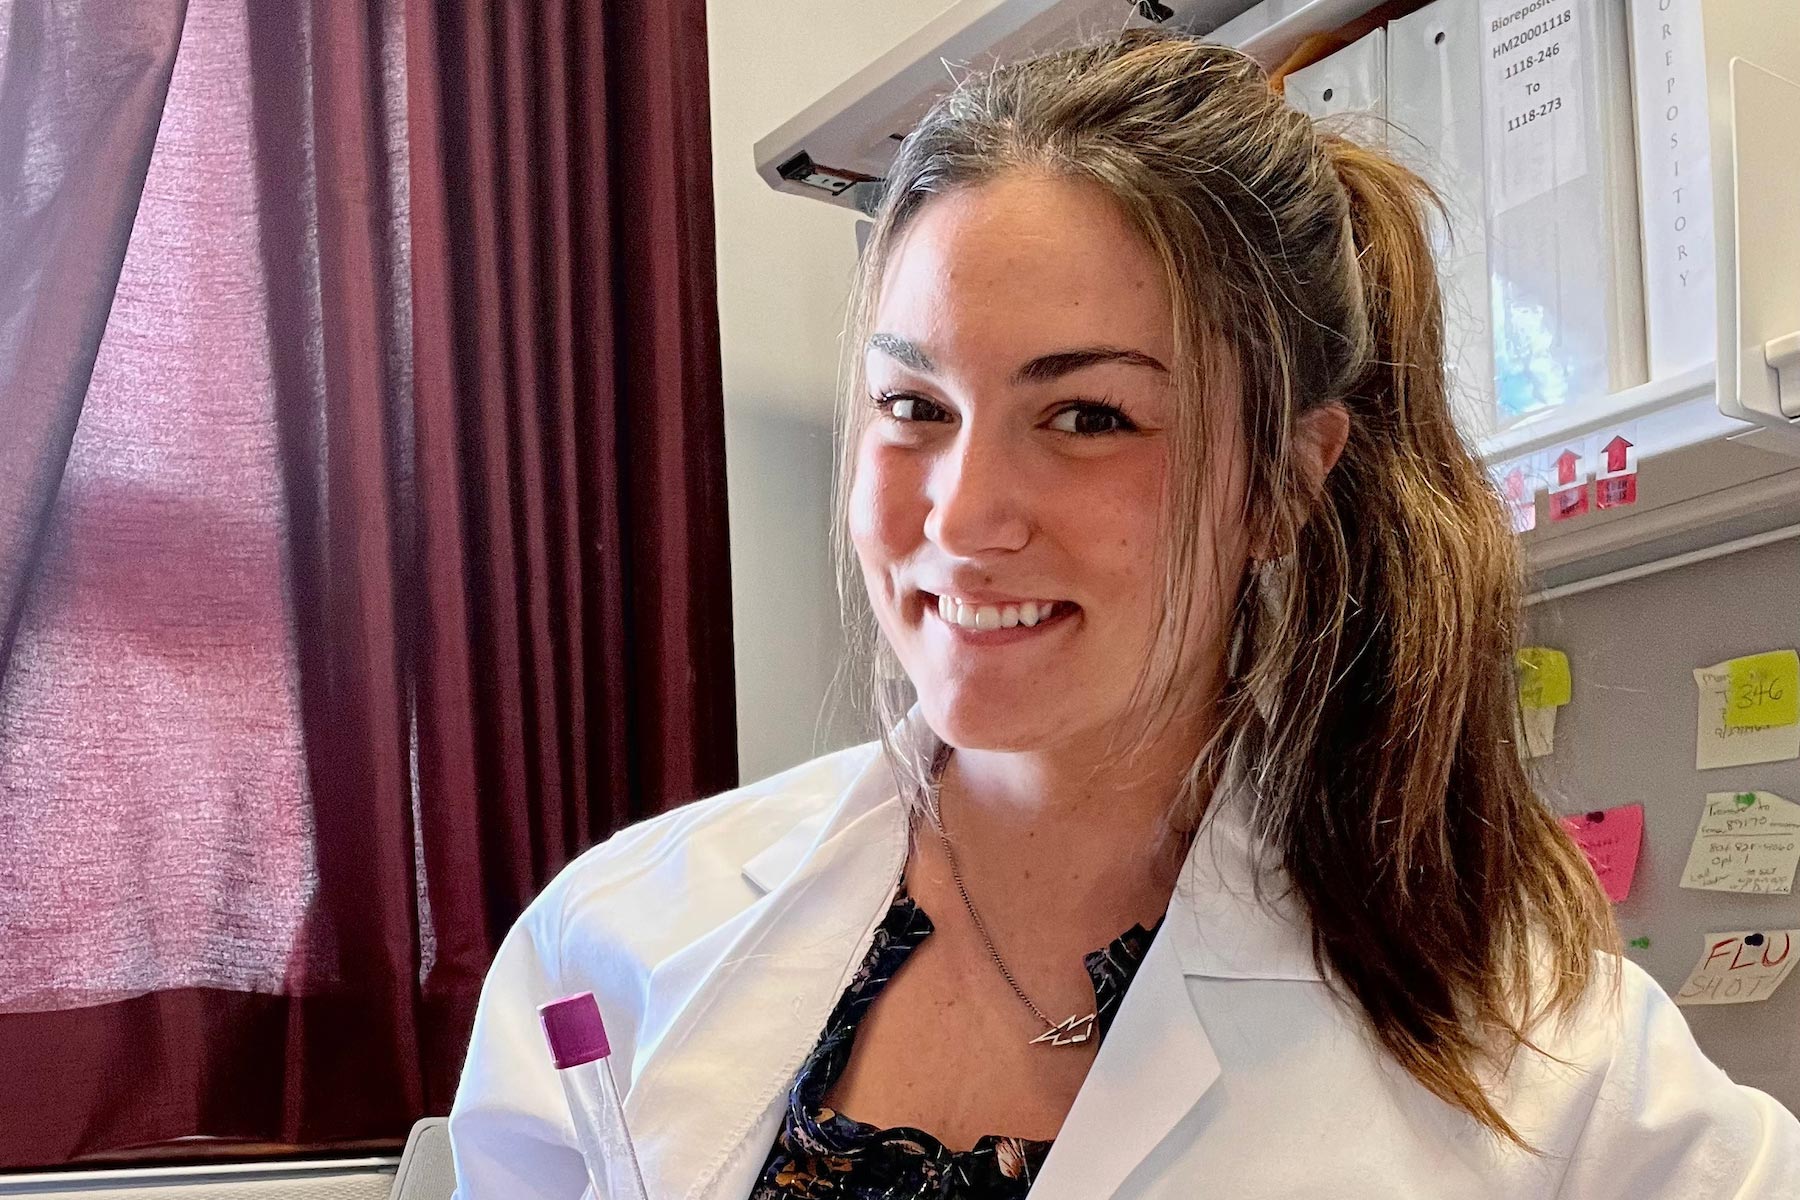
pixel 883 500
pixel 863 516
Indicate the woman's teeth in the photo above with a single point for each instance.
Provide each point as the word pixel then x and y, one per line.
pixel 994 616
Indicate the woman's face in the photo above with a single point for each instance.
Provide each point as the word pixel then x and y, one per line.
pixel 1021 352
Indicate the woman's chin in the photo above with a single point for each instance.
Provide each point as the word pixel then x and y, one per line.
pixel 989 723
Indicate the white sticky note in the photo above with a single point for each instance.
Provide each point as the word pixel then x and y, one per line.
pixel 1739 968
pixel 1537 727
pixel 1747 842
pixel 1717 745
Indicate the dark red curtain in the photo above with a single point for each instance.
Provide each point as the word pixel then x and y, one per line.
pixel 484 257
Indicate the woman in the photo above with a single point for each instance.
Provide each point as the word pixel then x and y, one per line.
pixel 1203 864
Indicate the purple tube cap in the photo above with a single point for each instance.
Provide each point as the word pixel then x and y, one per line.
pixel 574 1030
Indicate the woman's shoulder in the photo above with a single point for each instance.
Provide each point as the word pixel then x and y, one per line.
pixel 1637 1106
pixel 1618 1017
pixel 606 924
pixel 670 878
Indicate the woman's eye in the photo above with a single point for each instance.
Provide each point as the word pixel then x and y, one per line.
pixel 905 408
pixel 1090 418
pixel 1084 418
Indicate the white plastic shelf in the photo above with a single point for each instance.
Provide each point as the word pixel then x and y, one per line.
pixel 1667 414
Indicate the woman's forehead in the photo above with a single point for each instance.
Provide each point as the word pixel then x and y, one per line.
pixel 1048 260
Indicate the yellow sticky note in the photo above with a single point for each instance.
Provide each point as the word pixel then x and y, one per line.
pixel 1543 678
pixel 1764 690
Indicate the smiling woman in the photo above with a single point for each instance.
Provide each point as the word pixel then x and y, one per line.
pixel 1194 856
pixel 1019 450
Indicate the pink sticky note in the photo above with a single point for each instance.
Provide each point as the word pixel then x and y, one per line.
pixel 1610 839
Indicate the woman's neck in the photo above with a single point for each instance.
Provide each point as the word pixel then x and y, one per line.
pixel 1049 822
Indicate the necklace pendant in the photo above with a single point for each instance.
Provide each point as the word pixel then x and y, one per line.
pixel 1071 1032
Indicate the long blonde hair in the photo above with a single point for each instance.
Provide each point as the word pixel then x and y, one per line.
pixel 1369 708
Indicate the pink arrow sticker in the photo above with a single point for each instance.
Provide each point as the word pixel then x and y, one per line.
pixel 1610 839
pixel 1517 493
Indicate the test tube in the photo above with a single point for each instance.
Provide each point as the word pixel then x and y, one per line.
pixel 578 1044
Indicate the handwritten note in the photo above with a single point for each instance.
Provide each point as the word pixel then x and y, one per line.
pixel 1610 839
pixel 1763 689
pixel 1544 679
pixel 1719 744
pixel 1537 728
pixel 1747 842
pixel 1739 968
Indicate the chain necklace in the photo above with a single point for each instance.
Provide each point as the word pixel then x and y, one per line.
pixel 1072 1030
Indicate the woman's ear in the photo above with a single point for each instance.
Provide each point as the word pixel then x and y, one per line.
pixel 1320 436
pixel 1319 439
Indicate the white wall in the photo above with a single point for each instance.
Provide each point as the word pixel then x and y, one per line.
pixel 784 269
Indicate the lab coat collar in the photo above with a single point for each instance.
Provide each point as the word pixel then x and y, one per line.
pixel 1233 916
pixel 771 868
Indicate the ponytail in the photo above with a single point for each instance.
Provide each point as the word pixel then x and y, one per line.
pixel 1433 873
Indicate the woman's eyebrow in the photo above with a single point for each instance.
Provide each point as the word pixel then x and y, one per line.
pixel 1053 366
pixel 904 351
pixel 1044 367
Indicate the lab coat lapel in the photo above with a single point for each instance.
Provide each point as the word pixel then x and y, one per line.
pixel 746 1013
pixel 1153 1067
pixel 1157 1061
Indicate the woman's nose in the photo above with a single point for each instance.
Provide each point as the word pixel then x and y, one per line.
pixel 978 497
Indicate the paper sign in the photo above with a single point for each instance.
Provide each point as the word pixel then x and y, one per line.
pixel 1747 842
pixel 1537 729
pixel 1717 744
pixel 1544 680
pixel 1764 690
pixel 1532 92
pixel 1738 968
pixel 1618 492
pixel 1568 502
pixel 1610 839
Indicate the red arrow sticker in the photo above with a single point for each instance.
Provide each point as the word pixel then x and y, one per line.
pixel 1566 465
pixel 1616 486
pixel 1569 498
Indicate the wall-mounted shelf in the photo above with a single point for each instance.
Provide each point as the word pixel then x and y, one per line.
pixel 1678 410
pixel 1716 447
pixel 837 147
pixel 1270 32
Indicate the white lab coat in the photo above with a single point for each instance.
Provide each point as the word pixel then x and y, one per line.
pixel 719 936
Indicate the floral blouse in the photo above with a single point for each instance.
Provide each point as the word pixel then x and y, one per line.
pixel 824 1155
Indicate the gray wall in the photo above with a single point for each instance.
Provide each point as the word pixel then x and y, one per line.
pixel 1627 737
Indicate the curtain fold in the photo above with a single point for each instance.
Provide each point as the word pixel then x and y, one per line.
pixel 492 392
pixel 82 91
pixel 330 232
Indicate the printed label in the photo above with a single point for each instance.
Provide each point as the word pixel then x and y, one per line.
pixel 1531 83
